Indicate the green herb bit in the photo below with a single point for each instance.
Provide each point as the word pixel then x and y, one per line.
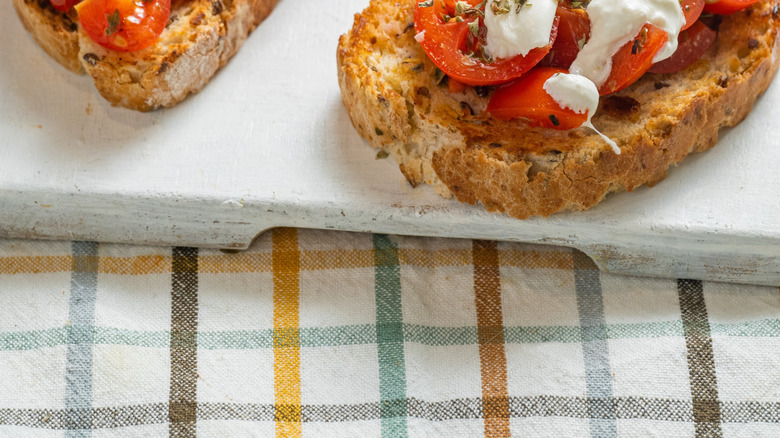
pixel 500 7
pixel 485 55
pixel 461 7
pixel 425 4
pixel 113 23
pixel 439 76
pixel 636 47
pixel 474 28
pixel 581 42
pixel 640 42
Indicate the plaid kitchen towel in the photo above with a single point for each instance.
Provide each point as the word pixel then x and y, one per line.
pixel 334 334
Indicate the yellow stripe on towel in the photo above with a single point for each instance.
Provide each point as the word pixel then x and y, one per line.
pixel 287 340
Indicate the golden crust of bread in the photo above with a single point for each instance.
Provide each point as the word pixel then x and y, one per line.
pixel 200 37
pixel 55 31
pixel 390 90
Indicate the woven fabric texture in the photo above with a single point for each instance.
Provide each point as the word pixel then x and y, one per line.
pixel 334 334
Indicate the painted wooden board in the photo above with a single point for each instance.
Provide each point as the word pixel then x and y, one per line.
pixel 268 143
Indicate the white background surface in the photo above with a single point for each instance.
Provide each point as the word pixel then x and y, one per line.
pixel 268 143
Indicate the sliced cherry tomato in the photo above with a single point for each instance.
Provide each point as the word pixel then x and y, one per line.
pixel 573 31
pixel 447 43
pixel 124 25
pixel 725 7
pixel 634 59
pixel 692 43
pixel 691 9
pixel 63 5
pixel 526 98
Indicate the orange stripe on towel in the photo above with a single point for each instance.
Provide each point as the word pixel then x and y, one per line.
pixel 490 332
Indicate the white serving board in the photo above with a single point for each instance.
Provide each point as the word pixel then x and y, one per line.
pixel 268 143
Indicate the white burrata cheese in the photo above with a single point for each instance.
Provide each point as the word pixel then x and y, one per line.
pixel 519 31
pixel 578 94
pixel 615 22
pixel 574 92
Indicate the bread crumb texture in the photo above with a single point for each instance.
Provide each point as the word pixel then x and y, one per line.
pixel 397 103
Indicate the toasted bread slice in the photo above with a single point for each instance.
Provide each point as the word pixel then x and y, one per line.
pixel 397 103
pixel 200 37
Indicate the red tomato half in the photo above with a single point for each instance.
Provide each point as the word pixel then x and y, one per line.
pixel 692 43
pixel 63 5
pixel 526 98
pixel 725 7
pixel 444 42
pixel 573 30
pixel 124 25
pixel 691 9
pixel 634 59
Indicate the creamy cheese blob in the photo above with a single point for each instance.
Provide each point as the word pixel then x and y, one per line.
pixel 615 22
pixel 578 94
pixel 524 26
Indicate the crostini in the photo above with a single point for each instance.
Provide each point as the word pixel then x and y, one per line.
pixel 547 116
pixel 143 54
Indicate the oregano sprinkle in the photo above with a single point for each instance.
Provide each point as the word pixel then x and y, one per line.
pixel 113 23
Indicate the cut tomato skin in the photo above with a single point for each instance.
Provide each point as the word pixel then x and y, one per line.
pixel 692 9
pixel 63 5
pixel 573 28
pixel 444 44
pixel 634 59
pixel 726 7
pixel 526 98
pixel 124 25
pixel 692 43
